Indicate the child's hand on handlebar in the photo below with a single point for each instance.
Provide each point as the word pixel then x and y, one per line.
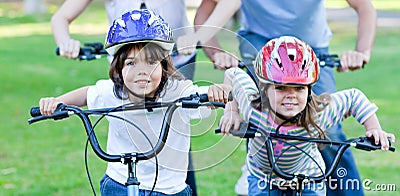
pixel 381 137
pixel 219 93
pixel 231 118
pixel 352 60
pixel 48 105
pixel 70 48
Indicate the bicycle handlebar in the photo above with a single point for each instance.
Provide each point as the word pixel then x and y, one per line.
pixel 64 111
pixel 91 51
pixel 95 50
pixel 362 143
pixel 329 60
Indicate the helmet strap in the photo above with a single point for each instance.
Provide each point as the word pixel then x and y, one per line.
pixel 309 97
pixel 293 119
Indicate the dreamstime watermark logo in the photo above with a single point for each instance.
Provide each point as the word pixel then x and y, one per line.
pixel 340 183
pixel 344 183
pixel 369 185
pixel 341 172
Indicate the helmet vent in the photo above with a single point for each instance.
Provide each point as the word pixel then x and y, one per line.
pixel 136 16
pixel 121 23
pixel 279 63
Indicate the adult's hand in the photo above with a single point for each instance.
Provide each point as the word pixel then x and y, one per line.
pixel 224 60
pixel 352 60
pixel 70 48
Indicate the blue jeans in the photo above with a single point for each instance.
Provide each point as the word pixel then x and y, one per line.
pixel 249 45
pixel 109 187
pixel 260 187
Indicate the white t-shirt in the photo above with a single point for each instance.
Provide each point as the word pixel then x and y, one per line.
pixel 125 138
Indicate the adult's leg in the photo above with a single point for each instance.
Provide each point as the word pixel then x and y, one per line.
pixel 346 179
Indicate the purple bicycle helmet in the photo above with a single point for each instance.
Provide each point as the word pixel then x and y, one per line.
pixel 139 26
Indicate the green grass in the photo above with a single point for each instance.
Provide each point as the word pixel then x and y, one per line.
pixel 47 158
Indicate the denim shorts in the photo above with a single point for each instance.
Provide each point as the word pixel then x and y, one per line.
pixel 110 187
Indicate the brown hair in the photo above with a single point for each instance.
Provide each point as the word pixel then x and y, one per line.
pixel 314 106
pixel 150 51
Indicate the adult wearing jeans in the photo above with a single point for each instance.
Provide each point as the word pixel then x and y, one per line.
pixel 263 20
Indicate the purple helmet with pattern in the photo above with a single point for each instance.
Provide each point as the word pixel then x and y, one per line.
pixel 139 26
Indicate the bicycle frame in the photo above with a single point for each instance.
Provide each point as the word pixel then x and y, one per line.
pixel 129 159
pixel 249 131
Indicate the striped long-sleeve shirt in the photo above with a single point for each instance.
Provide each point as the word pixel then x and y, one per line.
pixel 305 157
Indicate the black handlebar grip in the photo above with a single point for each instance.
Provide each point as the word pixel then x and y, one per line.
pixel 82 51
pixel 35 111
pixel 203 98
pixel 368 144
pixel 245 131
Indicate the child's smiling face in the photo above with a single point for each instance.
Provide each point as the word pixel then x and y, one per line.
pixel 141 76
pixel 287 100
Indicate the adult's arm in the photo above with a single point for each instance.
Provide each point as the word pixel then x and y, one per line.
pixel 221 59
pixel 366 29
pixel 60 22
pixel 222 12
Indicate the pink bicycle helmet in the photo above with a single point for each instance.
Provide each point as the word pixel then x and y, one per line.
pixel 139 26
pixel 287 60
